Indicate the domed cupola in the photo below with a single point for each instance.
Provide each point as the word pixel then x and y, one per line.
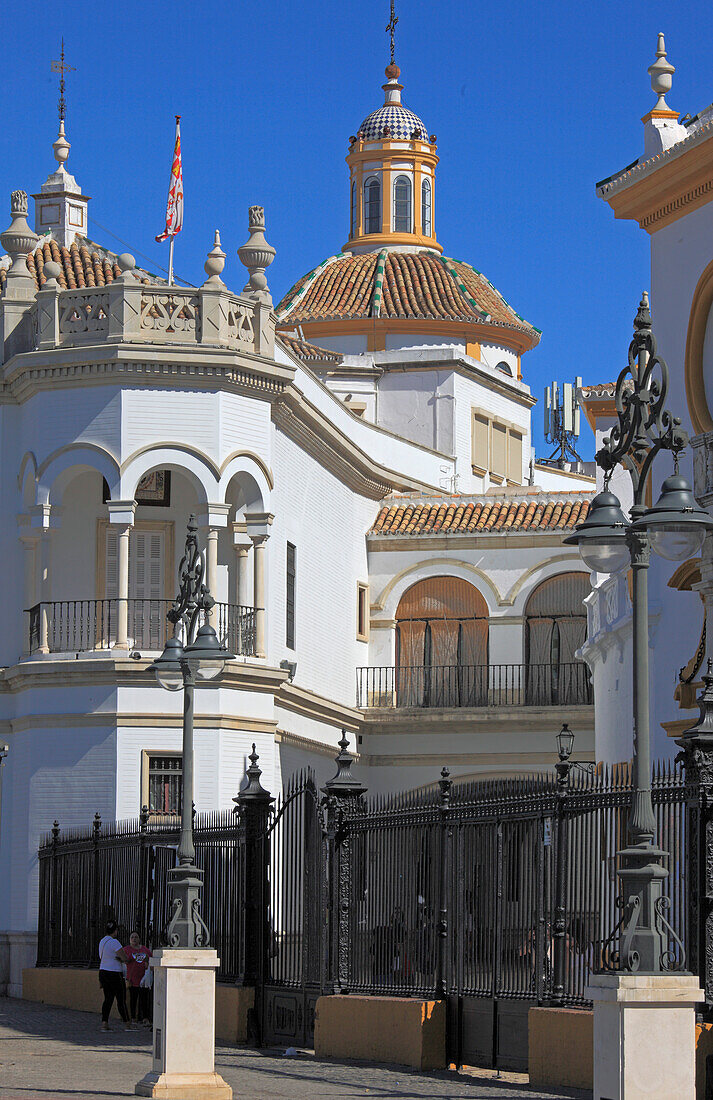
pixel 392 162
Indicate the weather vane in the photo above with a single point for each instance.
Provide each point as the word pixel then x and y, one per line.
pixel 62 67
pixel 391 27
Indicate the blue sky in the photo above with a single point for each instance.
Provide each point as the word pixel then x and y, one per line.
pixel 531 105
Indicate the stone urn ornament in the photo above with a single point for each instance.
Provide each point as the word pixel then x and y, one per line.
pixel 257 255
pixel 19 240
pixel 214 264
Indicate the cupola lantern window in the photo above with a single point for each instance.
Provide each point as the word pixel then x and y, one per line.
pixel 426 208
pixel 402 205
pixel 372 205
pixel 353 224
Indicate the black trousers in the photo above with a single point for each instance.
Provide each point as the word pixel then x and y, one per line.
pixel 112 983
pixel 142 998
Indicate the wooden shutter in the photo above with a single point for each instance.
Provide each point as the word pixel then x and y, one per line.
pixel 146 589
pixel 112 564
pixel 498 463
pixel 480 443
pixel 515 457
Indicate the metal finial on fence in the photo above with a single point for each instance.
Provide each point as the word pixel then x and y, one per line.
pixel 97 823
pixel 343 782
pixel 144 819
pixel 55 831
pixel 254 789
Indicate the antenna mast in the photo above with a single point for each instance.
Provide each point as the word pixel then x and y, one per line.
pixel 562 421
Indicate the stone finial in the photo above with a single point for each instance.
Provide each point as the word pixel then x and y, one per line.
pixel 661 72
pixel 61 146
pixel 257 255
pixel 215 262
pixel 19 240
pixel 127 264
pixel 52 272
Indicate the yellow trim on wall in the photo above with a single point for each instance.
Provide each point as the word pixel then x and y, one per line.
pixel 695 338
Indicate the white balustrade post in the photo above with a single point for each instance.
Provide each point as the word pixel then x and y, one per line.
pixel 121 515
pixel 258 528
pixel 29 540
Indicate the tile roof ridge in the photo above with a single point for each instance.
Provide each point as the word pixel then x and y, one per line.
pixel 642 167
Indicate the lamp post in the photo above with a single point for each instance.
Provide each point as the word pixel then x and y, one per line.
pixel 563 767
pixel 199 656
pixel 608 541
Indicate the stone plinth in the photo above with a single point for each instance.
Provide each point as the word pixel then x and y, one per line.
pixel 184 1028
pixel 644 1035
pixel 406 1030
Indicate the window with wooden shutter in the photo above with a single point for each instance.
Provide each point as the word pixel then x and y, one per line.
pixel 290 600
pixel 514 457
pixel 498 463
pixel 481 456
pixel 112 564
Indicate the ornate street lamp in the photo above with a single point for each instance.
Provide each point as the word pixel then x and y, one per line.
pixel 200 656
pixel 674 528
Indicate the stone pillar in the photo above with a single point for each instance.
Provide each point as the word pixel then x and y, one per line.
pixel 29 540
pixel 41 515
pixel 184 1027
pixel 644 1035
pixel 213 519
pixel 258 528
pixel 121 515
pixel 19 293
pixel 242 545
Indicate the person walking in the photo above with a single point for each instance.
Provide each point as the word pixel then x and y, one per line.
pixel 111 977
pixel 136 966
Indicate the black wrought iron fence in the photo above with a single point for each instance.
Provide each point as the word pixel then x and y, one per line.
pixel 544 685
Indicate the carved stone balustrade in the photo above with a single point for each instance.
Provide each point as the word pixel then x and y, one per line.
pixel 130 311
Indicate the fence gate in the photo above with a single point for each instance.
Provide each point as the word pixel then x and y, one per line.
pixel 500 965
pixel 292 982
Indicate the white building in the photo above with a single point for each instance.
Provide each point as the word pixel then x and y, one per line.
pixel 668 191
pixel 356 587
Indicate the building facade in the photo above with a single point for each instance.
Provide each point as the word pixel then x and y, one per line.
pixel 385 553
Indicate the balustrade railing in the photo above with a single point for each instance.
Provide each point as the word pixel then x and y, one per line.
pixel 80 626
pixel 537 685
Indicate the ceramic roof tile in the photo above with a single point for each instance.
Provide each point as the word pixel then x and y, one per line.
pixel 415 284
pixel 484 515
pixel 308 353
pixel 83 264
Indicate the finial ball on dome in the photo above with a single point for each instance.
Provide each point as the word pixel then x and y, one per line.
pixel 393 72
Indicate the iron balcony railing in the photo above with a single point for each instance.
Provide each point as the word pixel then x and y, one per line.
pixel 79 626
pixel 534 685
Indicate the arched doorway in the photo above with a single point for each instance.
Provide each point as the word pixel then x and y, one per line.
pixel 442 645
pixel 555 628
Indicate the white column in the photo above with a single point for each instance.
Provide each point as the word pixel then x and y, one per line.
pixel 29 547
pixel 45 587
pixel 258 529
pixel 242 545
pixel 213 520
pixel 121 515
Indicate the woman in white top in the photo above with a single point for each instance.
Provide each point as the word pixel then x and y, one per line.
pixel 111 976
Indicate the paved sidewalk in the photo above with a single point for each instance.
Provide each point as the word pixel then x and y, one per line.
pixel 51 1053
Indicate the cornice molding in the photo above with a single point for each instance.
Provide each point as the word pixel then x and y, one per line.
pixel 305 425
pixel 202 367
pixel 321 748
pixel 307 703
pixel 440 722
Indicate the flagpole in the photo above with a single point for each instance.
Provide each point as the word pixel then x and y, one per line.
pixel 170 260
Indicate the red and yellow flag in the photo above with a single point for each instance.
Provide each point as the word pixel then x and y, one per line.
pixel 174 206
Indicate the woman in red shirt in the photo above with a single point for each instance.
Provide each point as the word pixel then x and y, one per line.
pixel 137 963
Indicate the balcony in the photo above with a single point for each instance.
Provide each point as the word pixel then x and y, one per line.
pixel 546 685
pixel 81 626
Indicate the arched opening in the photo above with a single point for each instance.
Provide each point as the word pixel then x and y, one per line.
pixel 372 205
pixel 555 628
pixel 426 208
pixel 402 205
pixel 442 645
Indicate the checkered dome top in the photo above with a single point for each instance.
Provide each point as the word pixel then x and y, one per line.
pixel 400 121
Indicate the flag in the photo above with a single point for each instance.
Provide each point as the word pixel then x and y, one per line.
pixel 174 206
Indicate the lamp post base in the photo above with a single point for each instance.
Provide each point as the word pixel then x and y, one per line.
pixel 184 1028
pixel 644 1035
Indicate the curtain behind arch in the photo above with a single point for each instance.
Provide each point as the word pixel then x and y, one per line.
pixel 558 600
pixel 442 644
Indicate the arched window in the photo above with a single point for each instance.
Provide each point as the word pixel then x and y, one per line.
pixel 372 205
pixel 555 628
pixel 402 205
pixel 426 208
pixel 442 645
pixel 353 225
pixel 504 368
